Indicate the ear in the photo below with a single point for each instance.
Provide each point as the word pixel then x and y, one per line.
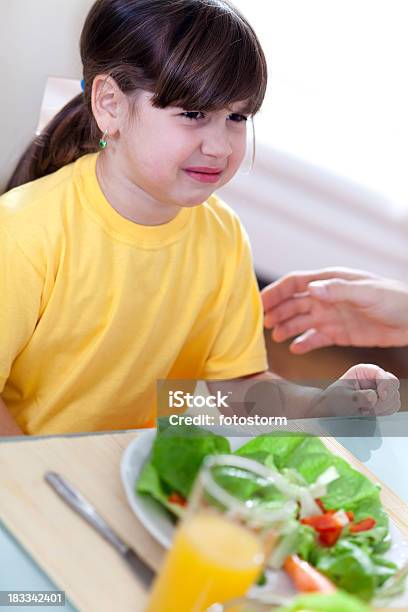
pixel 109 104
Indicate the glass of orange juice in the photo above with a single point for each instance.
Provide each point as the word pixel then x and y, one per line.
pixel 220 548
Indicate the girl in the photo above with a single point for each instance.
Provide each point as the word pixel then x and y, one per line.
pixel 120 267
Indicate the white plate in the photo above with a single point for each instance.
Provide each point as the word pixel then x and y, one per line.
pixel 156 519
pixel 150 513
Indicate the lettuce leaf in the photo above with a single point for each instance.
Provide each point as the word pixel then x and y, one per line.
pixel 279 445
pixel 149 483
pixel 353 568
pixel 337 602
pixel 309 457
pixel 178 452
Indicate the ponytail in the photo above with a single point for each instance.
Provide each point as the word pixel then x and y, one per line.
pixel 68 136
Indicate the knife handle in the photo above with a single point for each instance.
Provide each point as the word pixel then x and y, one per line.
pixel 78 503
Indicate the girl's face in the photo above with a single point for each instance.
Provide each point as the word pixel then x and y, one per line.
pixel 180 157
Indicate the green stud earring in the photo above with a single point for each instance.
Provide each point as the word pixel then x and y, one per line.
pixel 103 143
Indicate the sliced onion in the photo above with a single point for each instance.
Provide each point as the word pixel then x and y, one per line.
pixel 341 517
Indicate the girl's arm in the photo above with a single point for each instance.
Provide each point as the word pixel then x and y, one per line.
pixel 8 426
pixel 266 394
pixel 362 390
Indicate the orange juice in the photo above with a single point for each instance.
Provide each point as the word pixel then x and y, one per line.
pixel 212 559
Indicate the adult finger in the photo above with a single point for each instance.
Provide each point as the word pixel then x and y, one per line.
pixel 297 282
pixel 360 293
pixel 310 340
pixel 293 327
pixel 286 310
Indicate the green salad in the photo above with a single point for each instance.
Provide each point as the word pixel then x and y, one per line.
pixel 339 526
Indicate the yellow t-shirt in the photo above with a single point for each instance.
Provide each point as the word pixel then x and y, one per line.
pixel 95 309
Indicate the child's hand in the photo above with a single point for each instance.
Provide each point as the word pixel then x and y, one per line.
pixel 366 390
pixel 382 388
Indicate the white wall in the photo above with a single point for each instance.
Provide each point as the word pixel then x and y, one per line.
pixel 299 216
pixel 38 38
pixel 337 90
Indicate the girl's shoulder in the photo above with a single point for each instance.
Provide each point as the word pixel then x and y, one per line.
pixel 223 219
pixel 37 200
pixel 33 218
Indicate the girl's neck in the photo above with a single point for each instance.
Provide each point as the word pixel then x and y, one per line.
pixel 129 200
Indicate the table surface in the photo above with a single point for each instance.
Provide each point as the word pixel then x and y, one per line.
pixel 382 454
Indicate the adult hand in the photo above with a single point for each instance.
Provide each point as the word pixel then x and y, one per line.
pixel 336 306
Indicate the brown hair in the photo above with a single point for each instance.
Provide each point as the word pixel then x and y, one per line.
pixel 196 54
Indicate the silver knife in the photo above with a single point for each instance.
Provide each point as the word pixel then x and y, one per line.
pixel 78 503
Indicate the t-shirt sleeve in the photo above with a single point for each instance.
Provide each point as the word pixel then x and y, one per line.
pixel 20 302
pixel 239 348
